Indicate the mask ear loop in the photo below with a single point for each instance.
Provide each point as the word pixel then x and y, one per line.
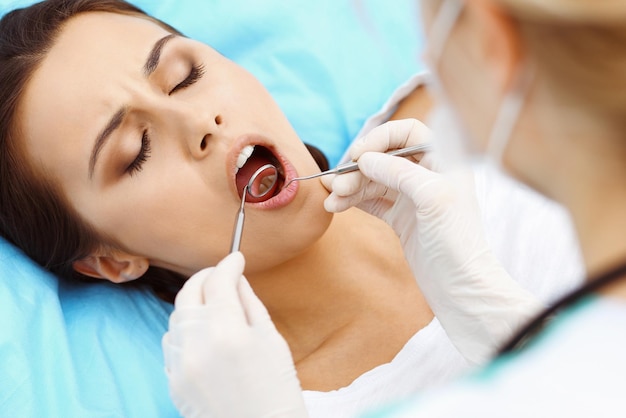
pixel 508 115
pixel 447 16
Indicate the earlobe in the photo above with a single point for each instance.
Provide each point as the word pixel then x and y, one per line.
pixel 115 266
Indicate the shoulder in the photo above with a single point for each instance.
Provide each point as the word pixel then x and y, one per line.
pixel 575 368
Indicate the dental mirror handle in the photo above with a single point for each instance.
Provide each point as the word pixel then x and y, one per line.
pixel 238 230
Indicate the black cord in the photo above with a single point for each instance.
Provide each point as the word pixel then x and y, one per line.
pixel 530 330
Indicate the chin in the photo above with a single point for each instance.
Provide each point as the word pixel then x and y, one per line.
pixel 292 234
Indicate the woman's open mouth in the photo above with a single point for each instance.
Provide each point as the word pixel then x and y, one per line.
pixel 268 183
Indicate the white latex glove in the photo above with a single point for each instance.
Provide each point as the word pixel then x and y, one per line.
pixel 436 217
pixel 223 355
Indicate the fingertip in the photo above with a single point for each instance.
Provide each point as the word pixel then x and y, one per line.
pixel 235 258
pixel 348 183
pixel 329 204
pixel 191 293
pixel 327 182
pixel 223 280
pixel 234 264
pixel 333 204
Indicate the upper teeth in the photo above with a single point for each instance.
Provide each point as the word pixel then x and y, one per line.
pixel 246 152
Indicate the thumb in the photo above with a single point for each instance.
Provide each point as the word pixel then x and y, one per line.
pixel 224 278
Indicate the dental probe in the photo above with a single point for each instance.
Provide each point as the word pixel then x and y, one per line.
pixel 354 166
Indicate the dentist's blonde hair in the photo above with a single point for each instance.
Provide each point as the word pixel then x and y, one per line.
pixel 575 11
pixel 580 46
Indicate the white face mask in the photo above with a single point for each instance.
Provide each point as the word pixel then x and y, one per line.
pixel 451 138
pixel 451 141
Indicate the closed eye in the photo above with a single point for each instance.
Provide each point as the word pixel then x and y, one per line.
pixel 142 156
pixel 196 73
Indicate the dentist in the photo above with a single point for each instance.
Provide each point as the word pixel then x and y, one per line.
pixel 537 88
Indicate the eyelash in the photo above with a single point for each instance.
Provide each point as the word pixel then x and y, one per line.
pixel 196 73
pixel 144 154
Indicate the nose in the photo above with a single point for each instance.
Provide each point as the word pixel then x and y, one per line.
pixel 191 124
pixel 198 144
pixel 199 138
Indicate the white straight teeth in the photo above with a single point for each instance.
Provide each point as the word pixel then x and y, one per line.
pixel 246 152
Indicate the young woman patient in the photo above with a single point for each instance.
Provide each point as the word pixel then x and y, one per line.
pixel 124 149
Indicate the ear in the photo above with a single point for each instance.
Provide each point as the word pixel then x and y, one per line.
pixel 116 266
pixel 500 41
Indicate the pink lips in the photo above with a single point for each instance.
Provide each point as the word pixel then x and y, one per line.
pixel 286 195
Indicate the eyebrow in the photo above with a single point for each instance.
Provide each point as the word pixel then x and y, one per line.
pixel 155 55
pixel 116 120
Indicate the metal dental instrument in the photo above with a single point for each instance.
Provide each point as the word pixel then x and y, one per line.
pixel 354 166
pixel 270 180
pixel 238 231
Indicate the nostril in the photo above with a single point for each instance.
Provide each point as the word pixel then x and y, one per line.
pixel 218 120
pixel 204 142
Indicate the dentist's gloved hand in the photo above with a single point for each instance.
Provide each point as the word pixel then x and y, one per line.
pixel 223 355
pixel 436 217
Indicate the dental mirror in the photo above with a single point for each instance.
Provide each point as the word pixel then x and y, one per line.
pixel 261 183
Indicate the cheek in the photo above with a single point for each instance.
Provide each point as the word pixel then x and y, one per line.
pixel 173 220
pixel 476 104
pixel 188 226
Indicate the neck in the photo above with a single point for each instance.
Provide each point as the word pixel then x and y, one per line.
pixel 319 294
pixel 320 290
pixel 590 184
pixel 574 157
pixel 600 224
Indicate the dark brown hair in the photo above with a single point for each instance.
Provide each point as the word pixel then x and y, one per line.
pixel 34 215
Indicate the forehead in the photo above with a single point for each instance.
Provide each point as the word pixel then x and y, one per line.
pixel 82 80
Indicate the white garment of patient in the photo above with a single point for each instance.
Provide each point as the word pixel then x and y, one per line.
pixel 533 239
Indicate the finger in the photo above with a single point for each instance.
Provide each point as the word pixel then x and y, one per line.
pixel 171 356
pixel 222 284
pixel 430 161
pixel 255 311
pixel 377 207
pixel 327 181
pixel 336 204
pixel 218 293
pixel 348 183
pixel 396 173
pixel 188 313
pixel 372 191
pixel 391 135
pixel 168 353
pixel 188 316
pixel 191 293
